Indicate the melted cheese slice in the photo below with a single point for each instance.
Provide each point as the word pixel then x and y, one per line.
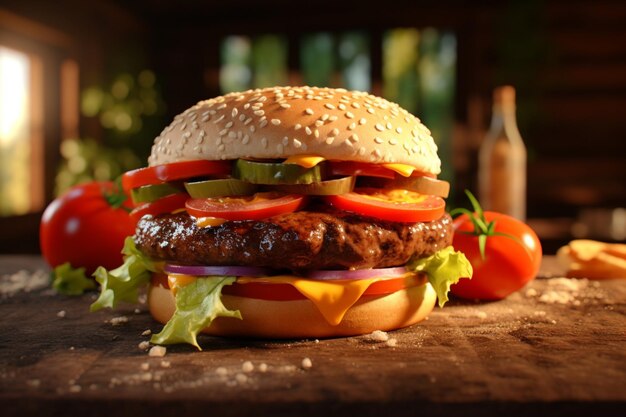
pixel 305 161
pixel 332 298
pixel 209 221
pixel 402 169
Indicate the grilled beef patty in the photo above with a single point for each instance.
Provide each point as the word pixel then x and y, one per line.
pixel 324 239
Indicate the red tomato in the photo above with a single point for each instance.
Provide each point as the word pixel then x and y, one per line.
pixel 509 264
pixel 82 228
pixel 259 206
pixel 174 171
pixel 391 205
pixel 166 204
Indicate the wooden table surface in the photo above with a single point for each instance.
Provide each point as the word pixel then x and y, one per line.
pixel 557 347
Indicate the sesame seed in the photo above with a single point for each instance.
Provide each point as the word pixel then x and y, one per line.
pixel 330 140
pixel 308 130
pixel 379 127
pixel 263 98
pixel 232 134
pixel 349 115
pixel 319 123
pixel 316 133
pixel 223 132
pixel 285 141
pixel 264 142
pixel 263 123
pixel 259 112
pixel 378 140
pixel 329 106
pixel 352 126
pixel 356 105
pixel 234 112
pixel 324 117
pixel 219 119
pixel 221 147
pixel 362 121
pixel 246 139
pixel 333 118
pixel 242 117
pixel 361 151
pixel 334 132
pixel 393 141
pixel 246 106
pixel 205 118
pixel 398 129
pixel 248 120
pixel 298 126
pixel 296 143
pixel 389 125
pixel 252 128
pixel 309 111
pixel 285 105
pixel 354 137
pixel 275 122
pixel 341 106
pixel 229 125
pixel 221 106
pixel 370 110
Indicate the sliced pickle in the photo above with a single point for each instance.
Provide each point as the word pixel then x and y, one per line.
pixel 150 193
pixel 271 173
pixel 330 187
pixel 227 187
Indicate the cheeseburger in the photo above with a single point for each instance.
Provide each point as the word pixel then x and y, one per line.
pixel 288 212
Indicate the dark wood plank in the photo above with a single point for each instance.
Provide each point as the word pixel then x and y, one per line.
pixel 518 356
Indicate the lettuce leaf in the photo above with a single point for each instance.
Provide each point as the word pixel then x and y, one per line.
pixel 197 305
pixel 123 283
pixel 445 268
pixel 71 281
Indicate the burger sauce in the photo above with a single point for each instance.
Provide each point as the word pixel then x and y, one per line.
pixel 502 160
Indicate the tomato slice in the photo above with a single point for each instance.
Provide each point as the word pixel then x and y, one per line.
pixel 392 205
pixel 255 207
pixel 166 204
pixel 172 172
pixel 286 292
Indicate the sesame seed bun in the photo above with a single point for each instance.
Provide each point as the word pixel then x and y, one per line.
pixel 279 122
pixel 301 319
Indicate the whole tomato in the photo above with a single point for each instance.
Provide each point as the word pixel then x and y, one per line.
pixel 86 227
pixel 512 254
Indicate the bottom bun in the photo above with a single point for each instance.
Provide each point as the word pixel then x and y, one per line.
pixel 302 319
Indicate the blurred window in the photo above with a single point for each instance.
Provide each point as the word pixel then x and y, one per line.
pixel 21 133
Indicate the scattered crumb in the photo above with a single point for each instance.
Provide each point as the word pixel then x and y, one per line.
pixel 93 387
pixel 247 367
pixel 116 321
pixel 72 348
pixel 393 342
pixel 221 371
pixel 146 332
pixel 378 336
pixel 137 311
pixel 34 383
pixel 531 292
pixel 263 367
pixel 241 378
pixel 145 366
pixel 23 280
pixel 75 388
pixel 165 364
pixel 145 345
pixel 316 341
pixel 146 377
pixel 306 363
pixel 481 314
pixel 158 351
pixel 61 314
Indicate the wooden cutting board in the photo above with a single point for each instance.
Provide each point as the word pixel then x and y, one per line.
pixel 557 347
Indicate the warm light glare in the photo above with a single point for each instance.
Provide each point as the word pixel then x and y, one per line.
pixel 14 81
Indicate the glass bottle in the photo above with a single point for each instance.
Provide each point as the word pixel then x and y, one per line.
pixel 502 160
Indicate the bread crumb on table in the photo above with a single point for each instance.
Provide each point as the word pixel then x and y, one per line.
pixel 306 363
pixel 144 345
pixel 157 351
pixel 247 366
pixel 378 336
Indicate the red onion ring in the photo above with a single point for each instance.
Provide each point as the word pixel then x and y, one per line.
pixel 357 273
pixel 238 271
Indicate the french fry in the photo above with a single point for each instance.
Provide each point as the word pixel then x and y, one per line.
pixel 591 259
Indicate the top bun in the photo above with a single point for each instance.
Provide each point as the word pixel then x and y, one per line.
pixel 278 122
